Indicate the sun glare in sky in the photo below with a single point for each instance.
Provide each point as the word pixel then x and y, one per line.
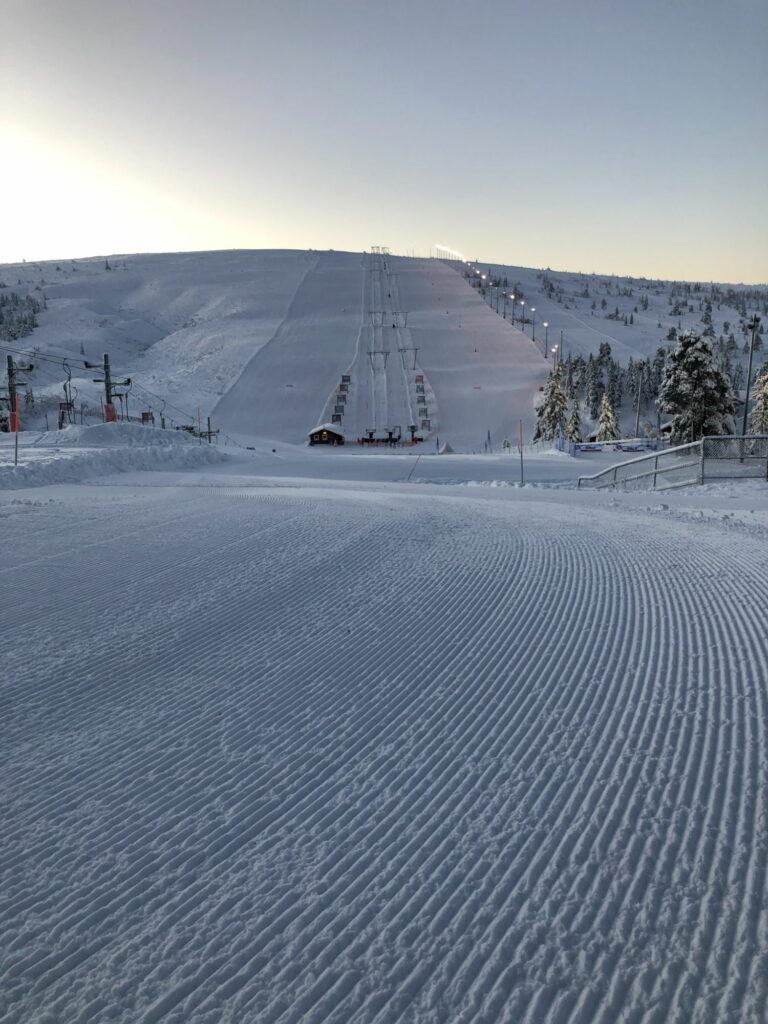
pixel 597 137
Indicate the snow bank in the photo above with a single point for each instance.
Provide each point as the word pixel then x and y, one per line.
pixel 82 453
pixel 108 435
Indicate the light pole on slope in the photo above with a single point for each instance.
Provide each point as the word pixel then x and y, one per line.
pixel 752 324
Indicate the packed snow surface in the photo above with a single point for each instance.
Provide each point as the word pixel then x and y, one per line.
pixel 84 453
pixel 366 735
pixel 292 738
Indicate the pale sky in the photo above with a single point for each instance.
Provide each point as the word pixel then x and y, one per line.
pixel 617 137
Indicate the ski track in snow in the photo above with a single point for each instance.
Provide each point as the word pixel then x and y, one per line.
pixel 315 757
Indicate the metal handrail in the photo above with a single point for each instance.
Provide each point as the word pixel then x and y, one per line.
pixel 613 470
pixel 658 472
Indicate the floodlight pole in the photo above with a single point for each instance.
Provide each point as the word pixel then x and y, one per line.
pixel 753 324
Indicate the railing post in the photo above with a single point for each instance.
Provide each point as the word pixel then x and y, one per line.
pixel 655 470
pixel 701 462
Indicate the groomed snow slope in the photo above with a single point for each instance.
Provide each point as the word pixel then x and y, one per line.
pixel 484 372
pixel 181 324
pixel 261 339
pixel 287 752
pixel 481 374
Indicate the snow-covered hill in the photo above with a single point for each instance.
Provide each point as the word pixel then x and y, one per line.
pixel 261 339
pixel 583 310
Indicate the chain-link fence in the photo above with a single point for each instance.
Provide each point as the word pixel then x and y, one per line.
pixel 713 458
pixel 727 458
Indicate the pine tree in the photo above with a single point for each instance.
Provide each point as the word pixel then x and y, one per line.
pixel 609 428
pixel 758 421
pixel 570 380
pixel 697 393
pixel 573 430
pixel 648 390
pixel 579 371
pixel 614 390
pixel 593 386
pixel 659 367
pixel 604 352
pixel 551 413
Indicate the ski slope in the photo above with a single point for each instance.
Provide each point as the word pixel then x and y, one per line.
pixel 260 339
pixel 385 322
pixel 356 735
pixel 285 749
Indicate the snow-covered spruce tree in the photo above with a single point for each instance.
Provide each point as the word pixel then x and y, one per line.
pixel 579 371
pixel 614 390
pixel 695 391
pixel 647 390
pixel 552 411
pixel 573 430
pixel 608 429
pixel 659 367
pixel 593 386
pixel 758 421
pixel 569 381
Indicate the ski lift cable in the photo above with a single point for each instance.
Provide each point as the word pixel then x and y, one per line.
pixel 176 408
pixel 67 359
pixel 37 356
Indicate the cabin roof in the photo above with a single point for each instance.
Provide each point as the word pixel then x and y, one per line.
pixel 332 428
